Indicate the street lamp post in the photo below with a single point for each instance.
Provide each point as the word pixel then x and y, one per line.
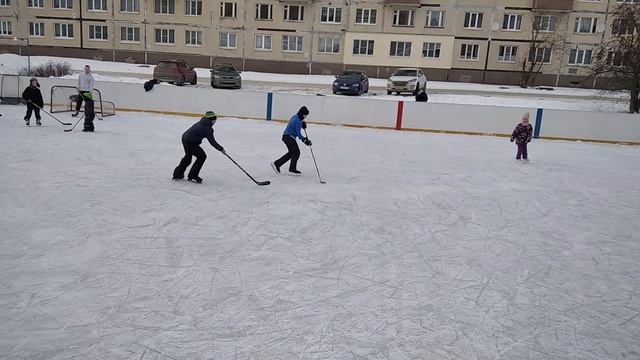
pixel 28 53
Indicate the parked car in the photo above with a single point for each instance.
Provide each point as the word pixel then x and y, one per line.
pixel 351 82
pixel 175 71
pixel 225 76
pixel 407 80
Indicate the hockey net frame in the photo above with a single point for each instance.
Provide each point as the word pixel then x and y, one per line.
pixel 63 99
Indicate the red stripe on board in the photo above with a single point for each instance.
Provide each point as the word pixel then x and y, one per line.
pixel 399 116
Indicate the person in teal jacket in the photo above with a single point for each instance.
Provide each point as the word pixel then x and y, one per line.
pixel 291 132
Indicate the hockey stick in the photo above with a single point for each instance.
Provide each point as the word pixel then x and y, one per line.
pixel 74 125
pixel 314 159
pixel 261 183
pixel 48 113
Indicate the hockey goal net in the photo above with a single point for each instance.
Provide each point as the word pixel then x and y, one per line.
pixel 63 98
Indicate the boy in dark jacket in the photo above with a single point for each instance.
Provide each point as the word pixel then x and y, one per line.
pixel 191 140
pixel 33 97
pixel 522 135
pixel 291 132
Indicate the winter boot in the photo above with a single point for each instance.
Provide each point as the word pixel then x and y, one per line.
pixel 27 121
pixel 295 172
pixel 196 179
pixel 275 168
pixel 38 122
pixel 74 114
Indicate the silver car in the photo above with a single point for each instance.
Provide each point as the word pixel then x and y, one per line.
pixel 225 76
pixel 409 80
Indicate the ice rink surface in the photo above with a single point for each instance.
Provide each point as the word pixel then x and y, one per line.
pixel 420 246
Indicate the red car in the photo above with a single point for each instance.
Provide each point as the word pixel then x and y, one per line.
pixel 175 71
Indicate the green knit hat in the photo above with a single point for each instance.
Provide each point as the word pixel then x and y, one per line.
pixel 210 115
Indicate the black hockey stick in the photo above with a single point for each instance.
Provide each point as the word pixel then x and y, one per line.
pixel 261 183
pixel 314 159
pixel 74 125
pixel 48 113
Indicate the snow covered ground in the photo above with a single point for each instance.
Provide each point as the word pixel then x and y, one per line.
pixel 429 247
pixel 439 92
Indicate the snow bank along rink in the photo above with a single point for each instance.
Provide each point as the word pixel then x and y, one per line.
pixel 420 246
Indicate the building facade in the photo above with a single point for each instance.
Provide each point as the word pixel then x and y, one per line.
pixel 455 40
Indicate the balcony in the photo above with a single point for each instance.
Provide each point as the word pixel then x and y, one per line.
pixel 552 5
pixel 402 2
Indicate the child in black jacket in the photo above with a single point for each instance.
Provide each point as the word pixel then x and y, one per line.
pixel 33 97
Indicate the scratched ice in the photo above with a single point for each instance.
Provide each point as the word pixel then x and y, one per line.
pixel 420 246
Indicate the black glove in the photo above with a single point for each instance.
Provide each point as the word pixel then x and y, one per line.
pixel 306 141
pixel 304 125
pixel 512 139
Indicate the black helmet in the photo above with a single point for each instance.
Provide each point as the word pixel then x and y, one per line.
pixel 303 112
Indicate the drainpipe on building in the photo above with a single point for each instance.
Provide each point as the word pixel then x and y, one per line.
pixel 486 59
pixel 604 31
pixel 313 23
pixel 564 47
pixel 81 30
pixel 113 23
pixel 144 22
pixel 244 37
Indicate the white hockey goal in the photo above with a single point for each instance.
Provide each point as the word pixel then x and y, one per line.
pixel 63 98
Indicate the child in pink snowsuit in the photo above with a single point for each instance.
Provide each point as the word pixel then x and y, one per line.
pixel 522 135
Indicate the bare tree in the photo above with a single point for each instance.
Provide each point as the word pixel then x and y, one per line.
pixel 544 40
pixel 618 60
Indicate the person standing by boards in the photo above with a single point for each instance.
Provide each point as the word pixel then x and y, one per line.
pixel 85 94
pixel 291 132
pixel 522 135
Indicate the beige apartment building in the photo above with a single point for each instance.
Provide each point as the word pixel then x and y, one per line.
pixel 454 40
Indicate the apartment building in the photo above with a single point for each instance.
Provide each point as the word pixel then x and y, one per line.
pixel 455 40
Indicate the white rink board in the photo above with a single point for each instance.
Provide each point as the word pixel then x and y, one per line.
pixel 467 118
pixel 587 125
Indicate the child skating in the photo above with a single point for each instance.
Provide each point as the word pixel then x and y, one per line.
pixel 522 135
pixel 191 140
pixel 291 132
pixel 33 97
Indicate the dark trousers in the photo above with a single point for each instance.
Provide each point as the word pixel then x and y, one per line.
pixel 522 151
pixel 190 149
pixel 32 108
pixel 89 114
pixel 293 153
pixel 79 99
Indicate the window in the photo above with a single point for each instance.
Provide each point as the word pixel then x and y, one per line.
pixel 291 43
pixel 512 22
pixel 129 34
pixel 435 18
pixel 615 58
pixel 63 31
pixel 228 9
pixel 628 1
pixel 400 48
pixel 263 42
pixel 97 5
pixel 98 32
pixel 362 47
pixel 132 6
pixel 403 17
pixel 545 23
pixel 35 3
pixel 585 25
pixel 540 55
pixel 294 13
pixel 264 12
pixel 507 54
pixel 63 4
pixel 366 16
pixel 193 7
pixel 5 2
pixel 431 50
pixel 227 40
pixel 622 27
pixel 165 36
pixel 473 20
pixel 36 29
pixel 5 28
pixel 469 52
pixel 331 15
pixel 329 45
pixel 580 57
pixel 193 38
pixel 166 7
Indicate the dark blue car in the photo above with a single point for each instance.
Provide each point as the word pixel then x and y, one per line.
pixel 351 82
